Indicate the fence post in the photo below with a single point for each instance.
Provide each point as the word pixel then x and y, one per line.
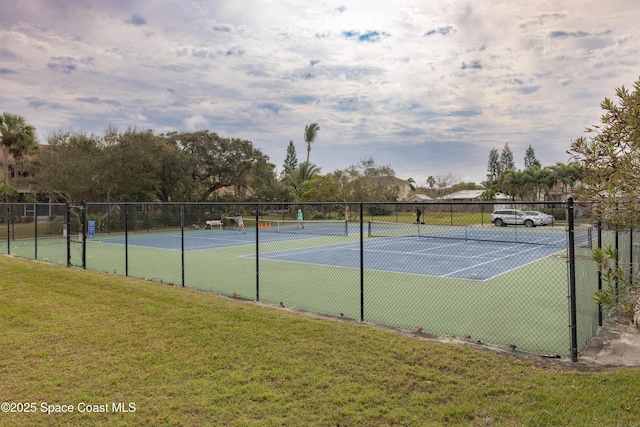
pixel 84 235
pixel 257 253
pixel 8 229
pixel 617 240
pixel 126 241
pixel 631 257
pixel 572 282
pixel 182 241
pixel 68 235
pixel 35 231
pixel 361 262
pixel 599 273
pixel 13 224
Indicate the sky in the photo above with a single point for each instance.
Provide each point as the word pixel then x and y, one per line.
pixel 426 87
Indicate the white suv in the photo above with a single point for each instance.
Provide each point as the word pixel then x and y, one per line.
pixel 504 217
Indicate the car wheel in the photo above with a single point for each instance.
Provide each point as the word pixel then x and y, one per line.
pixel 528 223
pixel 498 222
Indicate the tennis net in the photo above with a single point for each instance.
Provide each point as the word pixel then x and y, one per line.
pixel 313 227
pixel 535 236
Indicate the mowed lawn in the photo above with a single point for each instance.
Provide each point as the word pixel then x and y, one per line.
pixel 120 351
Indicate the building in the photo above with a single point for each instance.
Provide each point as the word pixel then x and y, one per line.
pixel 19 182
pixel 403 186
pixel 419 198
pixel 473 196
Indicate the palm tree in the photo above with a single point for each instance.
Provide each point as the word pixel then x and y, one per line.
pixel 310 133
pixel 297 178
pixel 537 180
pixel 412 184
pixel 431 181
pixel 17 138
pixel 566 175
pixel 512 183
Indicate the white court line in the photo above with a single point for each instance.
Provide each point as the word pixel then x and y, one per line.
pixel 489 262
pixel 422 254
pixel 354 246
pixel 132 242
pixel 426 251
pixel 410 239
pixel 301 251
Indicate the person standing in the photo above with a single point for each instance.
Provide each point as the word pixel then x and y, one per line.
pixel 418 215
pixel 300 219
pixel 240 223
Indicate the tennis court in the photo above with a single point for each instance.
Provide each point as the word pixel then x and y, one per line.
pixel 432 257
pixel 456 252
pixel 195 240
pixel 270 231
pixel 500 285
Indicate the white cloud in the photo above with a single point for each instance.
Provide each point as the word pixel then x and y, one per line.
pixel 196 122
pixel 426 87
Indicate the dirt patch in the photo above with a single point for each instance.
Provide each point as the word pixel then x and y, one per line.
pixel 617 345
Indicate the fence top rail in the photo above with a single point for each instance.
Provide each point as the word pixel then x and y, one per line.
pixel 32 203
pixel 276 202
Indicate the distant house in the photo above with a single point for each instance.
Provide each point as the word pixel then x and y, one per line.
pixel 19 182
pixel 473 196
pixel 419 198
pixel 234 190
pixel 404 188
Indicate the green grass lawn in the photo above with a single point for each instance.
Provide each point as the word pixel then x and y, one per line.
pixel 25 230
pixel 72 337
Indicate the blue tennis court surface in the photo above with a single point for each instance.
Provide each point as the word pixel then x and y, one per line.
pixel 461 253
pixel 433 257
pixel 204 239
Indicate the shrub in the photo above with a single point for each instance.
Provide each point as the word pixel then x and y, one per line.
pixel 378 210
pixel 55 226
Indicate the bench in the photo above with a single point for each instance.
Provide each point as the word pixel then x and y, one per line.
pixel 213 223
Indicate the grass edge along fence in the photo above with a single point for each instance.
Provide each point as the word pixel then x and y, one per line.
pixel 379 280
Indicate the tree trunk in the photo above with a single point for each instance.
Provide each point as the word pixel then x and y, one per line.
pixel 5 165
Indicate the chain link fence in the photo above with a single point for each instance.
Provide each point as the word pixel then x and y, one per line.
pixel 519 281
pixel 35 231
